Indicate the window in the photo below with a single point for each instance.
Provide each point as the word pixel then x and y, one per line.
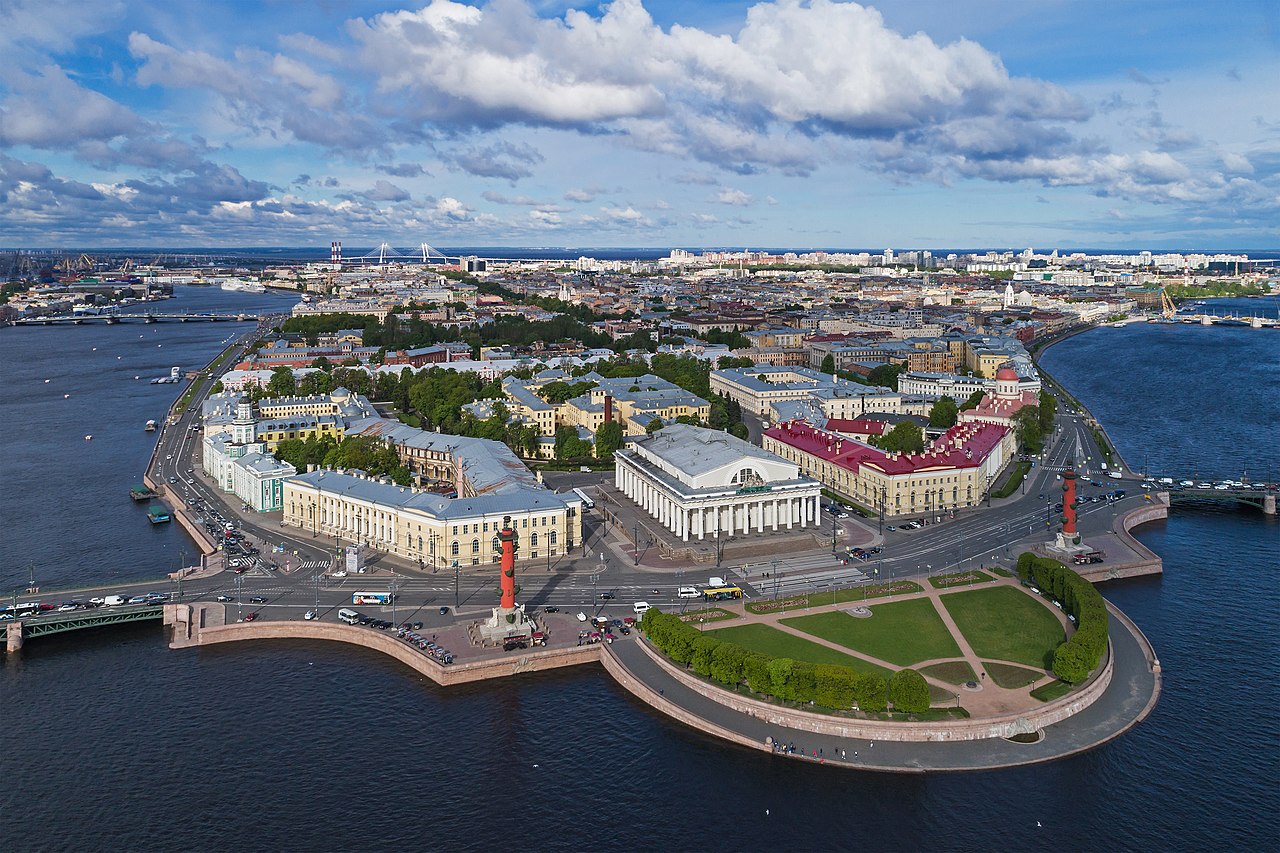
pixel 533 540
pixel 455 530
pixel 475 546
pixel 497 544
pixel 553 537
pixel 486 527
pixel 526 521
pixel 453 549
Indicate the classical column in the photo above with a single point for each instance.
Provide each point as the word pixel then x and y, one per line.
pixel 776 505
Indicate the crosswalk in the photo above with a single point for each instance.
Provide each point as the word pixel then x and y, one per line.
pixel 313 565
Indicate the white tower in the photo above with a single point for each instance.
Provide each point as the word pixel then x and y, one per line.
pixel 1008 295
pixel 242 428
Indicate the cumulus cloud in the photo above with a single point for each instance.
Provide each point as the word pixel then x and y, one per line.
pixel 733 197
pixel 48 109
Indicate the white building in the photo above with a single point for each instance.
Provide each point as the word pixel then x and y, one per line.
pixel 699 482
pixel 240 465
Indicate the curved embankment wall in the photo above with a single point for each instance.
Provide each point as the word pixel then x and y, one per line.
pixel 533 661
pixel 1148 562
pixel 1005 725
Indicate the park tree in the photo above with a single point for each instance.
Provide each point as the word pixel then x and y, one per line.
pixel 905 437
pixel 974 399
pixel 828 364
pixel 321 363
pixel 281 383
pixel 739 430
pixel 944 413
pixel 1048 409
pixel 1026 423
pixel 217 388
pixel 886 375
pixel 608 439
pixel 871 692
pixel 653 426
pixel 908 691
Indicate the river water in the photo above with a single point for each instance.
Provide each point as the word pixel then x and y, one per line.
pixel 113 742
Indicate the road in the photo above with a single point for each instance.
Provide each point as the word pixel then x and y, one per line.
pixel 973 537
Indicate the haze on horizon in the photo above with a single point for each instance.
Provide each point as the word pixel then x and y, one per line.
pixel 631 123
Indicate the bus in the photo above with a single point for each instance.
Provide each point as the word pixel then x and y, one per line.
pixel 587 503
pixel 721 593
pixel 371 598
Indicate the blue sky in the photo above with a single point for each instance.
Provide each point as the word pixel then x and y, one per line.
pixel 516 122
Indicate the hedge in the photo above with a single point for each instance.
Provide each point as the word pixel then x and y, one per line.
pixel 1075 659
pixel 828 685
pixel 908 691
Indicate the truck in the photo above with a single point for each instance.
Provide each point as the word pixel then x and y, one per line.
pixel 113 600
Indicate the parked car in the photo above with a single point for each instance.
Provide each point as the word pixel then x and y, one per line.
pixel 444 611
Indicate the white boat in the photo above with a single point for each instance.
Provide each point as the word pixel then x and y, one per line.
pixel 150 427
pixel 239 284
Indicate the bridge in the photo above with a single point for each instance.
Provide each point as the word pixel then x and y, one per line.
pixel 147 317
pixel 15 631
pixel 1264 500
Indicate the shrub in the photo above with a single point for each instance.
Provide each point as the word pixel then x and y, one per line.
pixel 756 668
pixel 870 692
pixel 780 670
pixel 909 691
pixel 833 686
pixel 727 663
pixel 703 648
pixel 1080 655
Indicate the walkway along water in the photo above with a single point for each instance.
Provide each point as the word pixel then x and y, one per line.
pixel 1121 694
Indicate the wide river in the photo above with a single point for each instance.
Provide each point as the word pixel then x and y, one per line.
pixel 113 742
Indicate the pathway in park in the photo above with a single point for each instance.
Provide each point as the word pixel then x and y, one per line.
pixel 989 699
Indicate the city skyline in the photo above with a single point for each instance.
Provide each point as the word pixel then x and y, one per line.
pixel 629 124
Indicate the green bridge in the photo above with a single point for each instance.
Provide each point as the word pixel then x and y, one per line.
pixel 16 631
pixel 1263 500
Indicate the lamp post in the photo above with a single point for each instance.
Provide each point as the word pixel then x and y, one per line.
pixel 883 491
pixel 635 544
pixel 457 579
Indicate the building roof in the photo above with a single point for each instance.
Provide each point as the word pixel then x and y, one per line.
pixel 360 487
pixel 696 450
pixel 963 446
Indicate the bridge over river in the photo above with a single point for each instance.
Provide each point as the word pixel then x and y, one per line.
pixel 111 319
pixel 1264 499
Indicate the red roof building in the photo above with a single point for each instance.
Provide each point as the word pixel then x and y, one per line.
pixel 955 470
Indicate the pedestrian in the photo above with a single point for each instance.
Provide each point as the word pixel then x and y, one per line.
pixel 855 755
pixel 873 744
pixel 844 754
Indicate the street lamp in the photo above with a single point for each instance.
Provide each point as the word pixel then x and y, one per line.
pixel 635 544
pixel 457 573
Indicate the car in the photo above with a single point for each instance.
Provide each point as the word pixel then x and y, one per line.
pixel 138 599
pixel 606 596
pixel 68 607
pixel 874 550
pixel 891 528
pixel 250 616
pixel 258 599
pixel 173 480
pixel 97 602
pixel 310 615
pixel 688 592
pixel 224 598
pixel 444 611
pixel 551 609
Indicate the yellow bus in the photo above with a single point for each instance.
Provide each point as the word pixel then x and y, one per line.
pixel 721 593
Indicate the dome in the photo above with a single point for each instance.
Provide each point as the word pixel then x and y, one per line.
pixel 1006 374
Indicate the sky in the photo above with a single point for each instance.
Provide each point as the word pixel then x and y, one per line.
pixel 645 123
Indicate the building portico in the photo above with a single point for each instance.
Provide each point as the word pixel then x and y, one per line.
pixel 700 483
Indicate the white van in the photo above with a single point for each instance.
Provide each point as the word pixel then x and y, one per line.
pixel 349 616
pixel 688 592
pixel 640 607
pixel 113 600
pixel 716 582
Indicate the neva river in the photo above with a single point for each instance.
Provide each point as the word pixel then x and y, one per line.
pixel 114 742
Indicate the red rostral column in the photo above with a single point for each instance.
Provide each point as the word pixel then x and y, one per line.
pixel 1068 503
pixel 508 539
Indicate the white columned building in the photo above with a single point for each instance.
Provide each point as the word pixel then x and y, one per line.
pixel 698 483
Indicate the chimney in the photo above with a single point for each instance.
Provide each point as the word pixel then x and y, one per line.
pixel 608 408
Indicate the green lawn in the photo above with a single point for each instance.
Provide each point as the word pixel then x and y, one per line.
pixel 771 641
pixel 952 672
pixel 1052 690
pixel 1004 623
pixel 1011 677
pixel 839 596
pixel 900 632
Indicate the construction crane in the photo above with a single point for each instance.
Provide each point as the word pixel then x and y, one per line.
pixel 1167 306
